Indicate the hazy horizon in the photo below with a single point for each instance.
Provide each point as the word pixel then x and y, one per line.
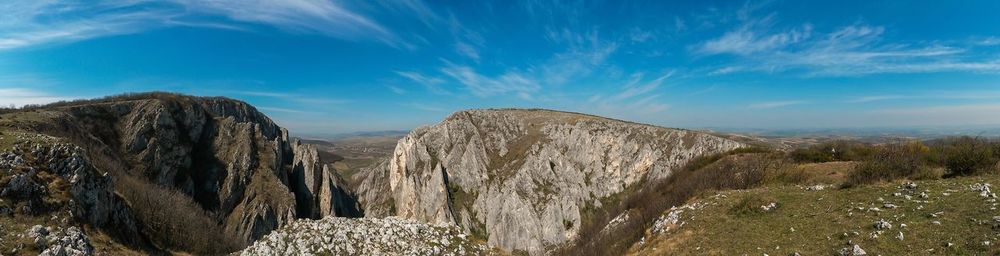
pixel 334 67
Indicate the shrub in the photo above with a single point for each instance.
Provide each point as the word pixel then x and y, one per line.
pixel 788 174
pixel 890 162
pixel 967 155
pixel 839 150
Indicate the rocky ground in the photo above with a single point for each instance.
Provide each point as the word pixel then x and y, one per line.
pixel 366 236
pixel 47 188
pixel 956 216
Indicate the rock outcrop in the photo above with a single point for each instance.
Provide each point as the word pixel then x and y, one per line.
pixel 318 189
pixel 58 242
pixel 91 196
pixel 523 178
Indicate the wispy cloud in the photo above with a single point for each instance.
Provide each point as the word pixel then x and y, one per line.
pixel 467 50
pixel 586 53
pixel 266 94
pixel 857 49
pixel 749 39
pixel 18 97
pixel 467 41
pixel 484 85
pixel 945 95
pixel 433 84
pixel 313 16
pixel 295 98
pixel 30 22
pixel 776 104
pixel 418 8
pixel 725 70
pixel 989 41
pixel 875 98
pixel 285 110
pixel 396 90
pixel 424 107
pixel 635 96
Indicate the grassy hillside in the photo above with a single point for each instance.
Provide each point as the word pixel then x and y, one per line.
pixel 858 181
pixel 955 218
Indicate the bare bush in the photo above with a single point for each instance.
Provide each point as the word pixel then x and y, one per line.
pixel 839 150
pixel 171 220
pixel 890 162
pixel 967 155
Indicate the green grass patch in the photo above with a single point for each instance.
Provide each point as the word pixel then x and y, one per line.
pixel 754 204
pixel 821 222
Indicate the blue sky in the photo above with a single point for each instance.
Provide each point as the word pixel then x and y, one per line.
pixel 321 66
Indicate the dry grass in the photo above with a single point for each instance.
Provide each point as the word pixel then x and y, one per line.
pixel 821 222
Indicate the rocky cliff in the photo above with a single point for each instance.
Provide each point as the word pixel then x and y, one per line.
pixel 523 178
pixel 230 159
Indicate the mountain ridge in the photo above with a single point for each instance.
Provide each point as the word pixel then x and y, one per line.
pixel 521 178
pixel 229 162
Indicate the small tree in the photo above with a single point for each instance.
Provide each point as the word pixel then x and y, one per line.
pixel 968 155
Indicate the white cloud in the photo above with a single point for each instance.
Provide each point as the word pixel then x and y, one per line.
pixel 423 12
pixel 640 36
pixel 467 41
pixel 396 90
pixel 989 41
pixel 424 107
pixel 23 96
pixel 467 50
pixel 483 85
pixel 876 98
pixel 749 39
pixel 285 110
pixel 632 88
pixel 848 51
pixel 295 98
pixel 33 22
pixel 433 84
pixel 637 96
pixel 576 63
pixel 775 104
pixel 947 95
pixel 316 16
pixel 725 70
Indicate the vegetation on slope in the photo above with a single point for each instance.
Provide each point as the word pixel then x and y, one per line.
pixel 847 164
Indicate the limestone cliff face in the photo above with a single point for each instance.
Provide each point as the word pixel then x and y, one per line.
pixel 373 192
pixel 522 178
pixel 318 189
pixel 227 156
